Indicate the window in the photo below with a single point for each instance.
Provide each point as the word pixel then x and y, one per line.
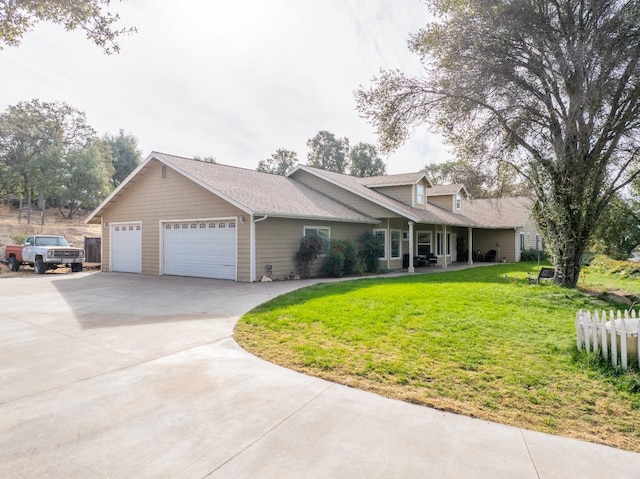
pixel 424 243
pixel 396 242
pixel 458 202
pixel 439 244
pixel 420 194
pixel 382 237
pixel 322 232
pixel 443 244
pixel 522 240
pixel 538 243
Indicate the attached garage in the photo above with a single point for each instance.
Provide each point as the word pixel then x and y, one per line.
pixel 126 247
pixel 200 248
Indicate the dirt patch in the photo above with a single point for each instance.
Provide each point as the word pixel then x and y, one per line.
pixel 74 230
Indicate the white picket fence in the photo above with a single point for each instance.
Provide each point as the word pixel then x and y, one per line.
pixel 594 333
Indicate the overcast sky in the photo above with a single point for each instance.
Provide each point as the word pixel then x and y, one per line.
pixel 232 79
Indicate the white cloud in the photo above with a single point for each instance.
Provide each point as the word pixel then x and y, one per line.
pixel 232 79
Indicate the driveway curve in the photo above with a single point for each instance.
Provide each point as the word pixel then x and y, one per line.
pixel 116 375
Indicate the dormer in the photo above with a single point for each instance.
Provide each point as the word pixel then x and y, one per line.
pixel 409 188
pixel 448 197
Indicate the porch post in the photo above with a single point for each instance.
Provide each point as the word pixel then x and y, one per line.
pixel 470 260
pixel 446 246
pixel 411 268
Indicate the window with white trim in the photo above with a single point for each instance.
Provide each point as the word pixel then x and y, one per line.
pixel 538 243
pixel 522 241
pixel 381 234
pixel 423 243
pixel 322 232
pixel 458 202
pixel 440 244
pixel 420 194
pixel 396 244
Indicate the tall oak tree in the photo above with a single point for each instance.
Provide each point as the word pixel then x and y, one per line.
pixel 551 87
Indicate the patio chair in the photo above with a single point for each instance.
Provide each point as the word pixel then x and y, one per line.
pixel 490 257
pixel 545 273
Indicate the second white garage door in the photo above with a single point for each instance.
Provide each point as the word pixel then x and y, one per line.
pixel 205 249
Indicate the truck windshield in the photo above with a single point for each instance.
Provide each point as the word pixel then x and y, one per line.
pixel 51 241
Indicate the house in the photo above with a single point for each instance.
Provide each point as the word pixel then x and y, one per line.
pixel 179 216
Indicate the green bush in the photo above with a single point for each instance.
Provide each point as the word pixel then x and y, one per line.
pixel 334 265
pixel 370 250
pixel 19 238
pixel 533 255
pixel 348 250
pixel 308 251
pixel 606 265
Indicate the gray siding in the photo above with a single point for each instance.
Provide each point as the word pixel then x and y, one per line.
pixel 401 193
pixel 278 240
pixel 446 202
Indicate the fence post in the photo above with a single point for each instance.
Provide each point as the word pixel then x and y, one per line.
pixel 585 326
pixel 579 317
pixel 594 331
pixel 603 334
pixel 623 343
pixel 614 341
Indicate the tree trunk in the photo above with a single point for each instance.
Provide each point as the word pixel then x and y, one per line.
pixel 567 263
pixel 566 235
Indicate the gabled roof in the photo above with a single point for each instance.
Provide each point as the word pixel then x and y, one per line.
pixel 401 179
pixel 492 214
pixel 510 212
pixel 251 191
pixel 261 194
pixel 432 214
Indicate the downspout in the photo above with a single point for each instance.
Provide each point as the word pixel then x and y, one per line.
pixel 252 250
pixel 470 248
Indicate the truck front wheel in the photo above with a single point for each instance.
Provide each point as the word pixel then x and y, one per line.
pixel 14 264
pixel 39 267
pixel 76 267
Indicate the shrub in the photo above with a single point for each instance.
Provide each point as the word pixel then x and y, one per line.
pixel 606 265
pixel 18 238
pixel 370 250
pixel 533 255
pixel 348 250
pixel 334 265
pixel 308 251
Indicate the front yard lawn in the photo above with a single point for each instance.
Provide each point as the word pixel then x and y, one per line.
pixel 474 342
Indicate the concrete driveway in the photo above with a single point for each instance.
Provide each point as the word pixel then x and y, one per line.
pixel 116 375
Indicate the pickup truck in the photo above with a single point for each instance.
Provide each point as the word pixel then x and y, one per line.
pixel 43 252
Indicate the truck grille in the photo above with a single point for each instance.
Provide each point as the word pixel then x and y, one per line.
pixel 67 254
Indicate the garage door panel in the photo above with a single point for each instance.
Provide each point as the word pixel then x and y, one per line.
pixel 204 249
pixel 126 247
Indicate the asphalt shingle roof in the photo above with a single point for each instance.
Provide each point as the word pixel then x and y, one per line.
pixel 263 193
pixel 283 196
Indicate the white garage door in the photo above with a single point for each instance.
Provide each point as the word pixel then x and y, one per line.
pixel 126 240
pixel 205 249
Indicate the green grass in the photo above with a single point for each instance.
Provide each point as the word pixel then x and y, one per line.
pixel 470 341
